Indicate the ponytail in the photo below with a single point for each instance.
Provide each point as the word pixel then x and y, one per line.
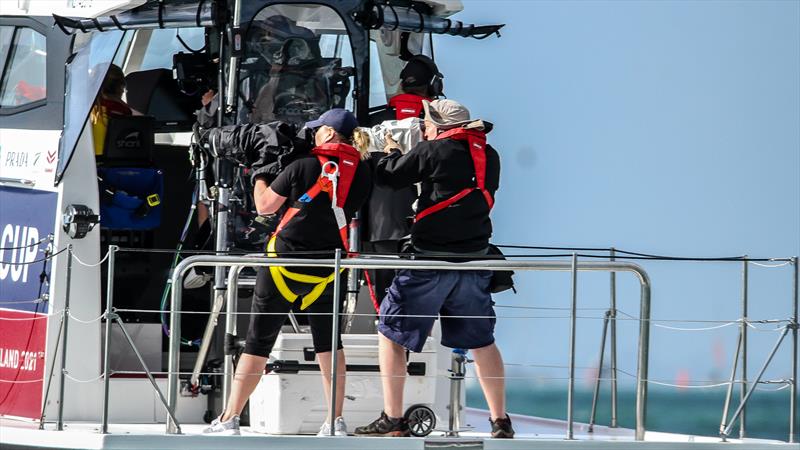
pixel 361 141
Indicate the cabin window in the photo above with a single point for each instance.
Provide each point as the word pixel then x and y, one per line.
pixel 298 64
pixel 377 89
pixel 23 53
pixel 164 43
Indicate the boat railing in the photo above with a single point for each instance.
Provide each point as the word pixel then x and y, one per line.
pixel 337 263
pixel 576 263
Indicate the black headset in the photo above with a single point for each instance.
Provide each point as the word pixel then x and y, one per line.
pixel 436 85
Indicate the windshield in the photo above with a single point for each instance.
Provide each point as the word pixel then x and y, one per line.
pixel 297 65
pixel 85 74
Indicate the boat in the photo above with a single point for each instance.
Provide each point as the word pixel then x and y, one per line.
pixel 103 347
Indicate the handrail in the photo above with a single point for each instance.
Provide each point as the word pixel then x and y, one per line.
pixel 366 263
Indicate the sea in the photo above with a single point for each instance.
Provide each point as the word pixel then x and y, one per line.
pixel 675 410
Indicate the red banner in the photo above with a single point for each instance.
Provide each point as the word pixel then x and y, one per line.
pixel 22 363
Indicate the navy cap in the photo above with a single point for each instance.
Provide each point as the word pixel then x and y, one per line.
pixel 341 120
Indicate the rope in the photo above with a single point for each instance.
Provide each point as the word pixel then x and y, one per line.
pixel 34 244
pixel 24 319
pixel 786 263
pixel 631 318
pixel 716 327
pixel 548 308
pixel 91 380
pixel 91 265
pixel 38 300
pixel 46 258
pixel 102 316
pixel 642 255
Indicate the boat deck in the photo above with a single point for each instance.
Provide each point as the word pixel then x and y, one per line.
pixel 532 432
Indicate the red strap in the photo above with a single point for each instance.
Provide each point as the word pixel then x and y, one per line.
pixel 323 184
pixel 347 160
pixel 476 141
pixel 407 105
pixel 443 204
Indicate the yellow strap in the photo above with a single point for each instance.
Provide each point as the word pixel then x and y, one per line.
pixel 279 272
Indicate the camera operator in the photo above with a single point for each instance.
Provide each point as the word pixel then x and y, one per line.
pixel 315 224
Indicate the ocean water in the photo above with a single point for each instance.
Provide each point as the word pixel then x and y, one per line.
pixel 687 411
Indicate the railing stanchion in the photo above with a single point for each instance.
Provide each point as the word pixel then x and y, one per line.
pixel 112 250
pixel 65 314
pixel 729 392
pixel 573 319
pixel 337 287
pixel 52 369
pixel 173 364
pixel 596 392
pixel 458 363
pixel 753 387
pixel 613 343
pixel 643 357
pixel 793 388
pixel 230 330
pixel 743 332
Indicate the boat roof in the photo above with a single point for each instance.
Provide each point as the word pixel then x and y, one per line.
pixel 97 8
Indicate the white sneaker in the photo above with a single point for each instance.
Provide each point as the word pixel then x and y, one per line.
pixel 340 428
pixel 228 428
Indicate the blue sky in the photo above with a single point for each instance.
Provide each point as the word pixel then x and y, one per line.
pixel 662 127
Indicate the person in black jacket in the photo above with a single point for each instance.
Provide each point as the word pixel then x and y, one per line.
pixel 459 174
pixel 388 210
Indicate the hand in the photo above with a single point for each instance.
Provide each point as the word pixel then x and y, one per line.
pixel 207 97
pixel 391 144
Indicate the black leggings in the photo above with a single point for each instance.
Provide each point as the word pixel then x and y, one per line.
pixel 264 328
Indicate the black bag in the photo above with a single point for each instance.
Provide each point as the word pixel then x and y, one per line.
pixel 502 280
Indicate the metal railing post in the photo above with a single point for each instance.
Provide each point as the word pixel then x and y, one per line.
pixel 643 357
pixel 613 342
pixel 729 392
pixel 52 368
pixel 230 330
pixel 458 362
pixel 739 410
pixel 743 332
pixel 112 250
pixel 596 392
pixel 573 319
pixel 173 364
pixel 793 387
pixel 65 314
pixel 335 337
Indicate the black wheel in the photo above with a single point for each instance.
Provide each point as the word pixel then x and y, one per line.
pixel 208 416
pixel 421 420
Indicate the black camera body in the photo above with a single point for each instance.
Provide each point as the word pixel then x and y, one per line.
pixel 195 73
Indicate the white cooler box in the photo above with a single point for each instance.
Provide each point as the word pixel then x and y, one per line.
pixel 291 401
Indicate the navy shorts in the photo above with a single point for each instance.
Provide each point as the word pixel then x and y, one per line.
pixel 452 294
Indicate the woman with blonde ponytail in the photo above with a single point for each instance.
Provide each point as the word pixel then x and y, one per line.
pixel 361 141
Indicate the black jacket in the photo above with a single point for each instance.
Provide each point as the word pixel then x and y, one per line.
pixel 444 168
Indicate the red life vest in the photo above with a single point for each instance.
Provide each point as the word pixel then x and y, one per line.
pixel 476 141
pixel 348 159
pixel 407 105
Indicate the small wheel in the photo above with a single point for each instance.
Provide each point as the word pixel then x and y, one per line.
pixel 208 416
pixel 421 420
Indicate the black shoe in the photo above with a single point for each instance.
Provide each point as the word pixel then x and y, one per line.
pixel 501 428
pixel 384 426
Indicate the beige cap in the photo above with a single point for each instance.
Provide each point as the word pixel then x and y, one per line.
pixel 446 113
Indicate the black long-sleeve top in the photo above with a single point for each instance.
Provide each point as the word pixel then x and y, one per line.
pixel 444 167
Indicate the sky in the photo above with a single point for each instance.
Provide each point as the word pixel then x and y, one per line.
pixel 664 127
